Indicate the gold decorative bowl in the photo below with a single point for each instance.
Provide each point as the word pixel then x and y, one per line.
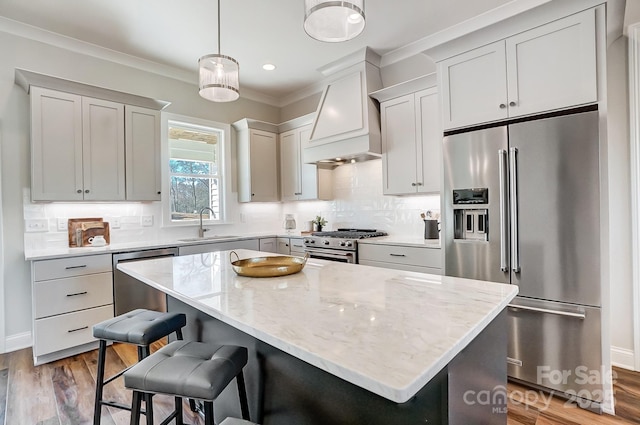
pixel 280 265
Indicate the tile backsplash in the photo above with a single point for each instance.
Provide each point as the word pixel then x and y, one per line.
pixel 358 202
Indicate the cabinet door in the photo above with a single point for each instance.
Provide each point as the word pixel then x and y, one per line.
pixel 56 146
pixel 553 66
pixel 308 172
pixel 268 245
pixel 142 142
pixel 290 165
pixel 103 150
pixel 473 86
pixel 283 246
pixel 429 141
pixel 399 145
pixel 264 170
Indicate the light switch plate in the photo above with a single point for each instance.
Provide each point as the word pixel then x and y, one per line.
pixel 36 225
pixel 114 222
pixel 62 224
pixel 147 220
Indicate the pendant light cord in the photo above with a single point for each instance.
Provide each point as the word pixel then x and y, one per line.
pixel 218 26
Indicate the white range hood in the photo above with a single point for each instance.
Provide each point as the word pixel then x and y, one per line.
pixel 346 127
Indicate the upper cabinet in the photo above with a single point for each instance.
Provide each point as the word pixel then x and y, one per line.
pixel 257 161
pixel 552 66
pixel 411 137
pixel 143 153
pixel 91 144
pixel 300 181
pixel 77 147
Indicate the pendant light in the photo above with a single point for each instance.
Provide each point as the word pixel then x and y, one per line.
pixel 333 21
pixel 219 75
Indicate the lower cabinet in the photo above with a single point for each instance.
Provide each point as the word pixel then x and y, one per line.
pixel 290 246
pixel 269 245
pixel 70 295
pixel 409 258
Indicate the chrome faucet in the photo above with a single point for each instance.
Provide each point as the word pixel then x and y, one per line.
pixel 202 230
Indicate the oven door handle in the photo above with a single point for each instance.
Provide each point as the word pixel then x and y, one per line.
pixel 321 253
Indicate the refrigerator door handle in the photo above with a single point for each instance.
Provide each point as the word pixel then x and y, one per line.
pixel 580 316
pixel 504 211
pixel 515 240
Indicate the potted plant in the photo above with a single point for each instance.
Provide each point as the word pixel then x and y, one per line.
pixel 319 222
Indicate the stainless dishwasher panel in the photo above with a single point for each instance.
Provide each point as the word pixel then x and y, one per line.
pixel 556 346
pixel 130 293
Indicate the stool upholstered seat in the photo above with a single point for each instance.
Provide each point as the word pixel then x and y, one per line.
pixel 189 369
pixel 138 327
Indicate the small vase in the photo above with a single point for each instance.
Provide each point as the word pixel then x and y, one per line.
pixel 319 227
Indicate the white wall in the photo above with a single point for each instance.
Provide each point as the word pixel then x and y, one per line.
pixel 18 52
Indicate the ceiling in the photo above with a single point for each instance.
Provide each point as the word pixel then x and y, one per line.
pixel 254 32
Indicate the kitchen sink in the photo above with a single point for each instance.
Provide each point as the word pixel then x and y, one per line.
pixel 209 238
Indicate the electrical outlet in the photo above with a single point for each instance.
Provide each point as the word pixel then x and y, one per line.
pixel 147 220
pixel 36 225
pixel 243 218
pixel 114 222
pixel 62 224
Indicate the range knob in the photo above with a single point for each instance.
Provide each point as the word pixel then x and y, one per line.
pixel 349 243
pixel 326 242
pixel 343 243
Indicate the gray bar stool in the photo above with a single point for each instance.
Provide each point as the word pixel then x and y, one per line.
pixel 188 369
pixel 139 327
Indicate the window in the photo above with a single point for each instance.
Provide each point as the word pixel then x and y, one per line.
pixel 195 172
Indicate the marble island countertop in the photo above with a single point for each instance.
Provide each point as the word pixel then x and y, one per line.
pixel 387 331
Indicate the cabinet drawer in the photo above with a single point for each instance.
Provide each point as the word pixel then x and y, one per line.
pixel 68 330
pixel 73 266
pixel 405 267
pixel 414 256
pixel 73 293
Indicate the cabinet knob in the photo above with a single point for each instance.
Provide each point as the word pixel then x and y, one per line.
pixel 158 192
pixel 413 184
pixel 78 191
pixel 86 191
pixel 418 184
pixel 253 194
pixel 512 103
pixel 502 106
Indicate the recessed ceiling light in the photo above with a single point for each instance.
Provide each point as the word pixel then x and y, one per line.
pixel 268 67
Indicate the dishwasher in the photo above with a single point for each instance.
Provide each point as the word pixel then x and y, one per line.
pixel 129 293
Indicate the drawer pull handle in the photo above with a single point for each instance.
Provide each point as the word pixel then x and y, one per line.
pixel 78 329
pixel 397 255
pixel 77 293
pixel 75 267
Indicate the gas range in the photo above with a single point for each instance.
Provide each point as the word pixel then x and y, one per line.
pixel 339 245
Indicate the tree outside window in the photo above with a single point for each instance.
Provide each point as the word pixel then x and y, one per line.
pixel 194 172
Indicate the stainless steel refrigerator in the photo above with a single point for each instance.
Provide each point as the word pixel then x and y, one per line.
pixel 522 206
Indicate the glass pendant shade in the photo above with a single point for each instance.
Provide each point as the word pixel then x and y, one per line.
pixel 333 21
pixel 219 78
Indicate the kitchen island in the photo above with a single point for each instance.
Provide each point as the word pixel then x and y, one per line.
pixel 344 343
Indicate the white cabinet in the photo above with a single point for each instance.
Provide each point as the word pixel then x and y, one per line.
pixel 143 153
pixel 546 68
pixel 409 258
pixel 283 246
pixel 252 244
pixel 296 247
pixel 77 147
pixel 411 140
pixel 257 161
pixel 300 181
pixel 269 245
pixel 70 295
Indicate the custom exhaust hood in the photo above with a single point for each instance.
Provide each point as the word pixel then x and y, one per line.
pixel 346 127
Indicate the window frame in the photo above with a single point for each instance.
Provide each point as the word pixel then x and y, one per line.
pixel 224 162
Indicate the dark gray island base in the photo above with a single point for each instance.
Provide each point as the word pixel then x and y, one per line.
pixel 285 390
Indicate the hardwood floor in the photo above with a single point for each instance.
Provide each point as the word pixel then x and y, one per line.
pixel 61 393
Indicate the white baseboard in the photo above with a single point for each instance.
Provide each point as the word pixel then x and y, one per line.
pixel 622 357
pixel 18 342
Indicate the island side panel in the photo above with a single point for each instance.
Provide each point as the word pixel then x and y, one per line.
pixel 478 378
pixel 283 389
